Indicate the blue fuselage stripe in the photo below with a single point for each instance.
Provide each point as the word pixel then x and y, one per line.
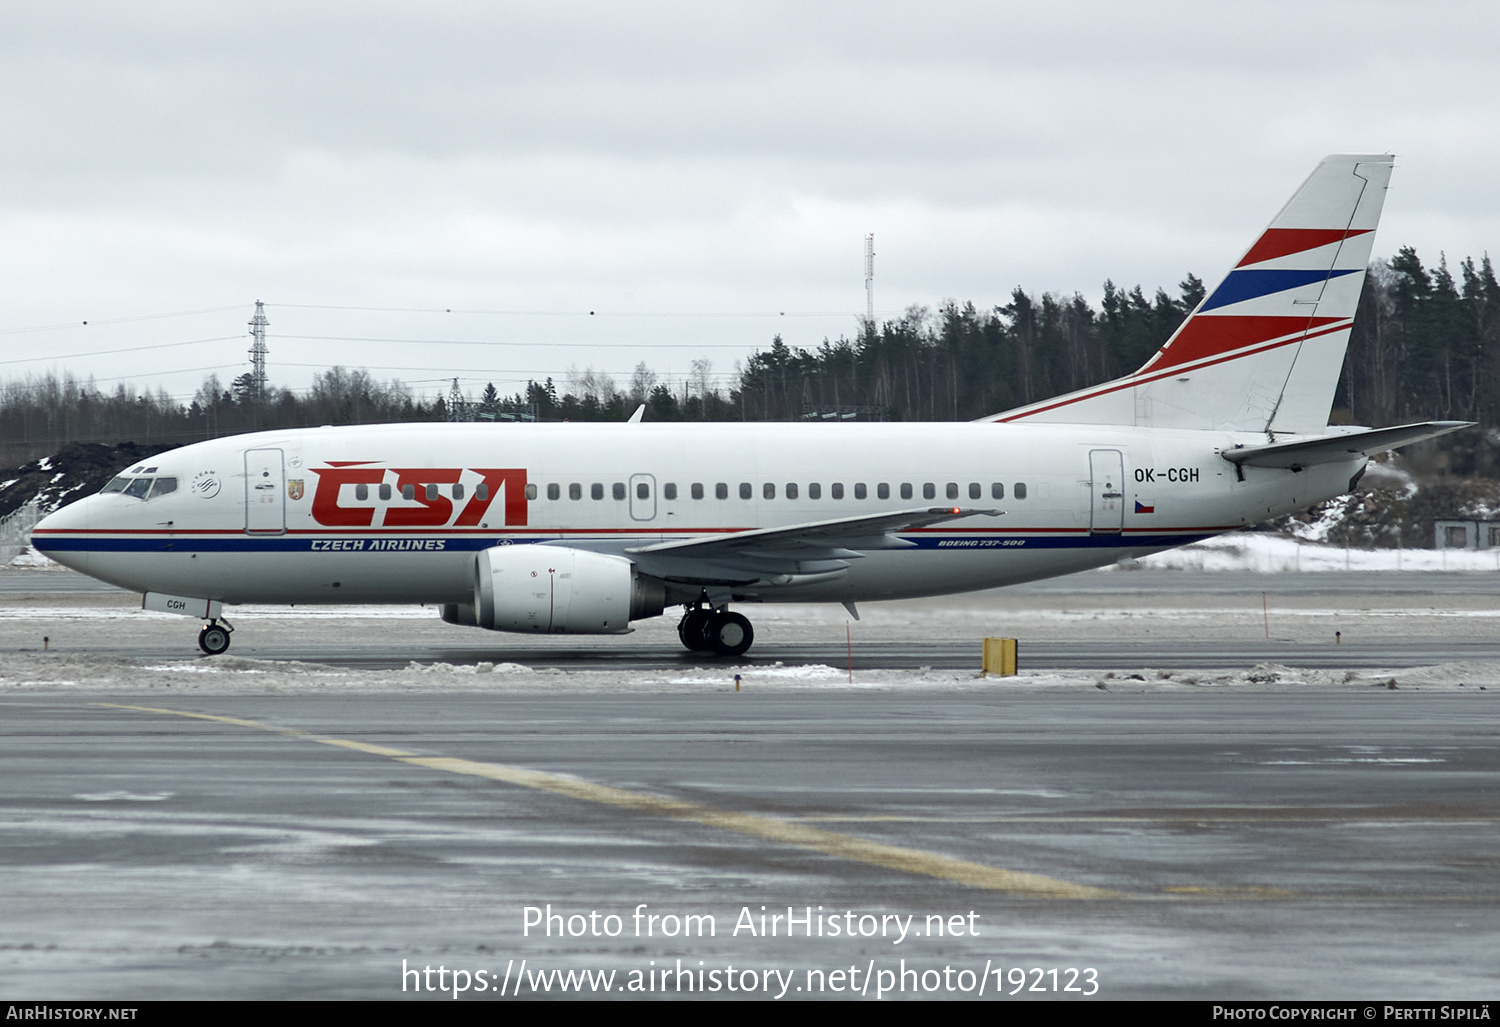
pixel 303 544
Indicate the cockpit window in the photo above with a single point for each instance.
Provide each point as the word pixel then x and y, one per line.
pixel 140 488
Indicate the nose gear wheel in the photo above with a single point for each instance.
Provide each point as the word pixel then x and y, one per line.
pixel 214 638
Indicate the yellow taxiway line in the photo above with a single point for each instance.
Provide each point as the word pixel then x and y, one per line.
pixel 831 843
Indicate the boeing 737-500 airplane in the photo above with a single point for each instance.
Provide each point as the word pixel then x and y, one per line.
pixel 583 528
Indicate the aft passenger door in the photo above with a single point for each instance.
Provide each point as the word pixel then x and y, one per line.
pixel 1107 484
pixel 265 492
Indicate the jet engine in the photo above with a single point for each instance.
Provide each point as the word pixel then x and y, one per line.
pixel 557 590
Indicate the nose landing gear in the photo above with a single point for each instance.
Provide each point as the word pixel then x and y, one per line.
pixel 719 631
pixel 214 638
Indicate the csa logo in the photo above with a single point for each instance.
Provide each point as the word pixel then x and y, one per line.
pixel 206 485
pixel 431 497
pixel 294 488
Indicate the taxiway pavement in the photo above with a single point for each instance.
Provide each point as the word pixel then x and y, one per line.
pixel 251 828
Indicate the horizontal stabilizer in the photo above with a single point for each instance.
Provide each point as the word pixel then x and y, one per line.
pixel 1328 449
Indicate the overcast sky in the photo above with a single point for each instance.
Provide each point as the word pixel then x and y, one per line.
pixel 689 171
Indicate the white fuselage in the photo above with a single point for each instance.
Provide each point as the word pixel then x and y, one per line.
pixel 322 515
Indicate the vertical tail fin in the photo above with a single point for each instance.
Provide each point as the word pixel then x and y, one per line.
pixel 1264 349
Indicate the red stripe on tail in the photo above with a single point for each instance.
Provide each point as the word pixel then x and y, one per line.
pixel 1281 242
pixel 1205 335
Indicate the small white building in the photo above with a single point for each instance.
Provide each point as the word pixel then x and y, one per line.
pixel 1466 534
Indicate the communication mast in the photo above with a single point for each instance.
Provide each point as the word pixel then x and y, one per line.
pixel 458 407
pixel 258 326
pixel 870 280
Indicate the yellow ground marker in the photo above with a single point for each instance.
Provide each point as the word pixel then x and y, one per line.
pixel 831 843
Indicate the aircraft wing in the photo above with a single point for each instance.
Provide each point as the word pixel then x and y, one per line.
pixel 1329 449
pixel 814 548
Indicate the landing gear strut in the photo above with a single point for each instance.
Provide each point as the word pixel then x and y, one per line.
pixel 214 638
pixel 707 630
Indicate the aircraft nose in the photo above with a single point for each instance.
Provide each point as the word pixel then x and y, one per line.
pixel 56 535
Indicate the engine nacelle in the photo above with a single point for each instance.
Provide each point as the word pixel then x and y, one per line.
pixel 558 590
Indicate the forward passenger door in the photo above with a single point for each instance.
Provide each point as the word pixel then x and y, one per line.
pixel 265 492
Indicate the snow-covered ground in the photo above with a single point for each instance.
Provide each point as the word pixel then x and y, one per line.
pixel 30 559
pixel 233 675
pixel 1272 554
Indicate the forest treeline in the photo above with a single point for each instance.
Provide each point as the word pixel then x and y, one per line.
pixel 1426 344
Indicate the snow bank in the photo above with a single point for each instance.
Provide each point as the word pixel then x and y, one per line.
pixel 231 675
pixel 29 559
pixel 1271 554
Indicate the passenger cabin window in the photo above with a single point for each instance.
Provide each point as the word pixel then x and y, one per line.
pixel 432 493
pixel 618 490
pixel 975 492
pixel 768 490
pixel 642 490
pixel 1020 490
pixel 530 491
pixel 836 490
pixel 669 490
pixel 596 490
pixel 385 491
pixel 791 490
pixel 929 491
pixel 697 490
pixel 722 490
pixel 745 490
pixel 458 492
pixel 481 492
pixel 882 491
pixel 906 490
pixel 554 491
pixel 814 491
pixel 997 490
pixel 575 491
pixel 859 490
pixel 408 492
pixel 953 490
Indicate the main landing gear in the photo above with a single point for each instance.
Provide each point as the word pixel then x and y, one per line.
pixel 704 629
pixel 214 638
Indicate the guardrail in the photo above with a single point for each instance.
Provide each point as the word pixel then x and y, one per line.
pixel 15 531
